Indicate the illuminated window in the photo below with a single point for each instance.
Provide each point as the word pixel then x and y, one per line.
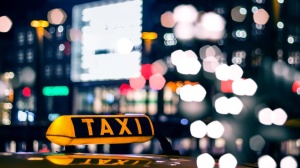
pixel 240 34
pixel 239 57
pixel 59 53
pixel 29 55
pixel 49 52
pixel 48 71
pixel 185 145
pixel 67 70
pixel 220 10
pixel 171 99
pixel 219 146
pixel 25 103
pixel 30 37
pixel 109 100
pixel 257 29
pixel 294 58
pixel 170 39
pixel 21 38
pixel 291 147
pixel 58 70
pixel 257 55
pixel 20 56
pixel 52 30
pixel 259 1
pixel 59 32
pixel 152 102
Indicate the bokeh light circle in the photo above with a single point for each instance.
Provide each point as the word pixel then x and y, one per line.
pixel 198 129
pixel 205 160
pixel 227 161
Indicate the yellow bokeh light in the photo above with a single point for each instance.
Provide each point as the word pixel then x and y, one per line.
pixel 149 35
pixel 39 23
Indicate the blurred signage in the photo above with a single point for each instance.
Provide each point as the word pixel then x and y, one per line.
pixel 100 129
pixel 109 47
pixel 55 91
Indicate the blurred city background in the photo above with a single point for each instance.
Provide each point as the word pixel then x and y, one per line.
pixel 214 76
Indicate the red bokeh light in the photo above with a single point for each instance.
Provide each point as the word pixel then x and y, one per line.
pixel 67 50
pixel 137 83
pixel 26 92
pixel 157 81
pixel 146 71
pixel 124 88
pixel 296 86
pixel 226 86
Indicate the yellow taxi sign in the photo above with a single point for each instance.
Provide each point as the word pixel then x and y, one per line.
pixel 100 129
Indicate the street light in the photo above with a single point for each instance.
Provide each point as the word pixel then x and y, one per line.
pixel 39 25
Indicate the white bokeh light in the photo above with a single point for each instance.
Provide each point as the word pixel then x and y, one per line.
pixel 215 129
pixel 211 26
pixel 210 64
pixel 236 105
pixel 236 72
pixel 288 162
pixel 238 87
pixel 186 62
pixel 280 25
pixel 184 31
pixel 205 160
pixel 191 93
pixel 264 116
pixel 198 129
pixel 279 116
pixel 188 65
pixel 222 72
pixel 232 72
pixel 185 13
pixel 244 87
pixel 268 117
pixel 233 105
pixel 186 93
pixel 251 87
pixel 266 161
pixel 124 46
pixel 176 56
pixel 227 161
pixel 199 93
pixel 221 105
pixel 213 22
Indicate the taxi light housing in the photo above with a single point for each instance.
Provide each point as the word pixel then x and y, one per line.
pixel 100 129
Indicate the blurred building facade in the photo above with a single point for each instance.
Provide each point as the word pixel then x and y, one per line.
pixel 260 36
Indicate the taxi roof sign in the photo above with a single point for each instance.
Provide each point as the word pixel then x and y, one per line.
pixel 100 129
